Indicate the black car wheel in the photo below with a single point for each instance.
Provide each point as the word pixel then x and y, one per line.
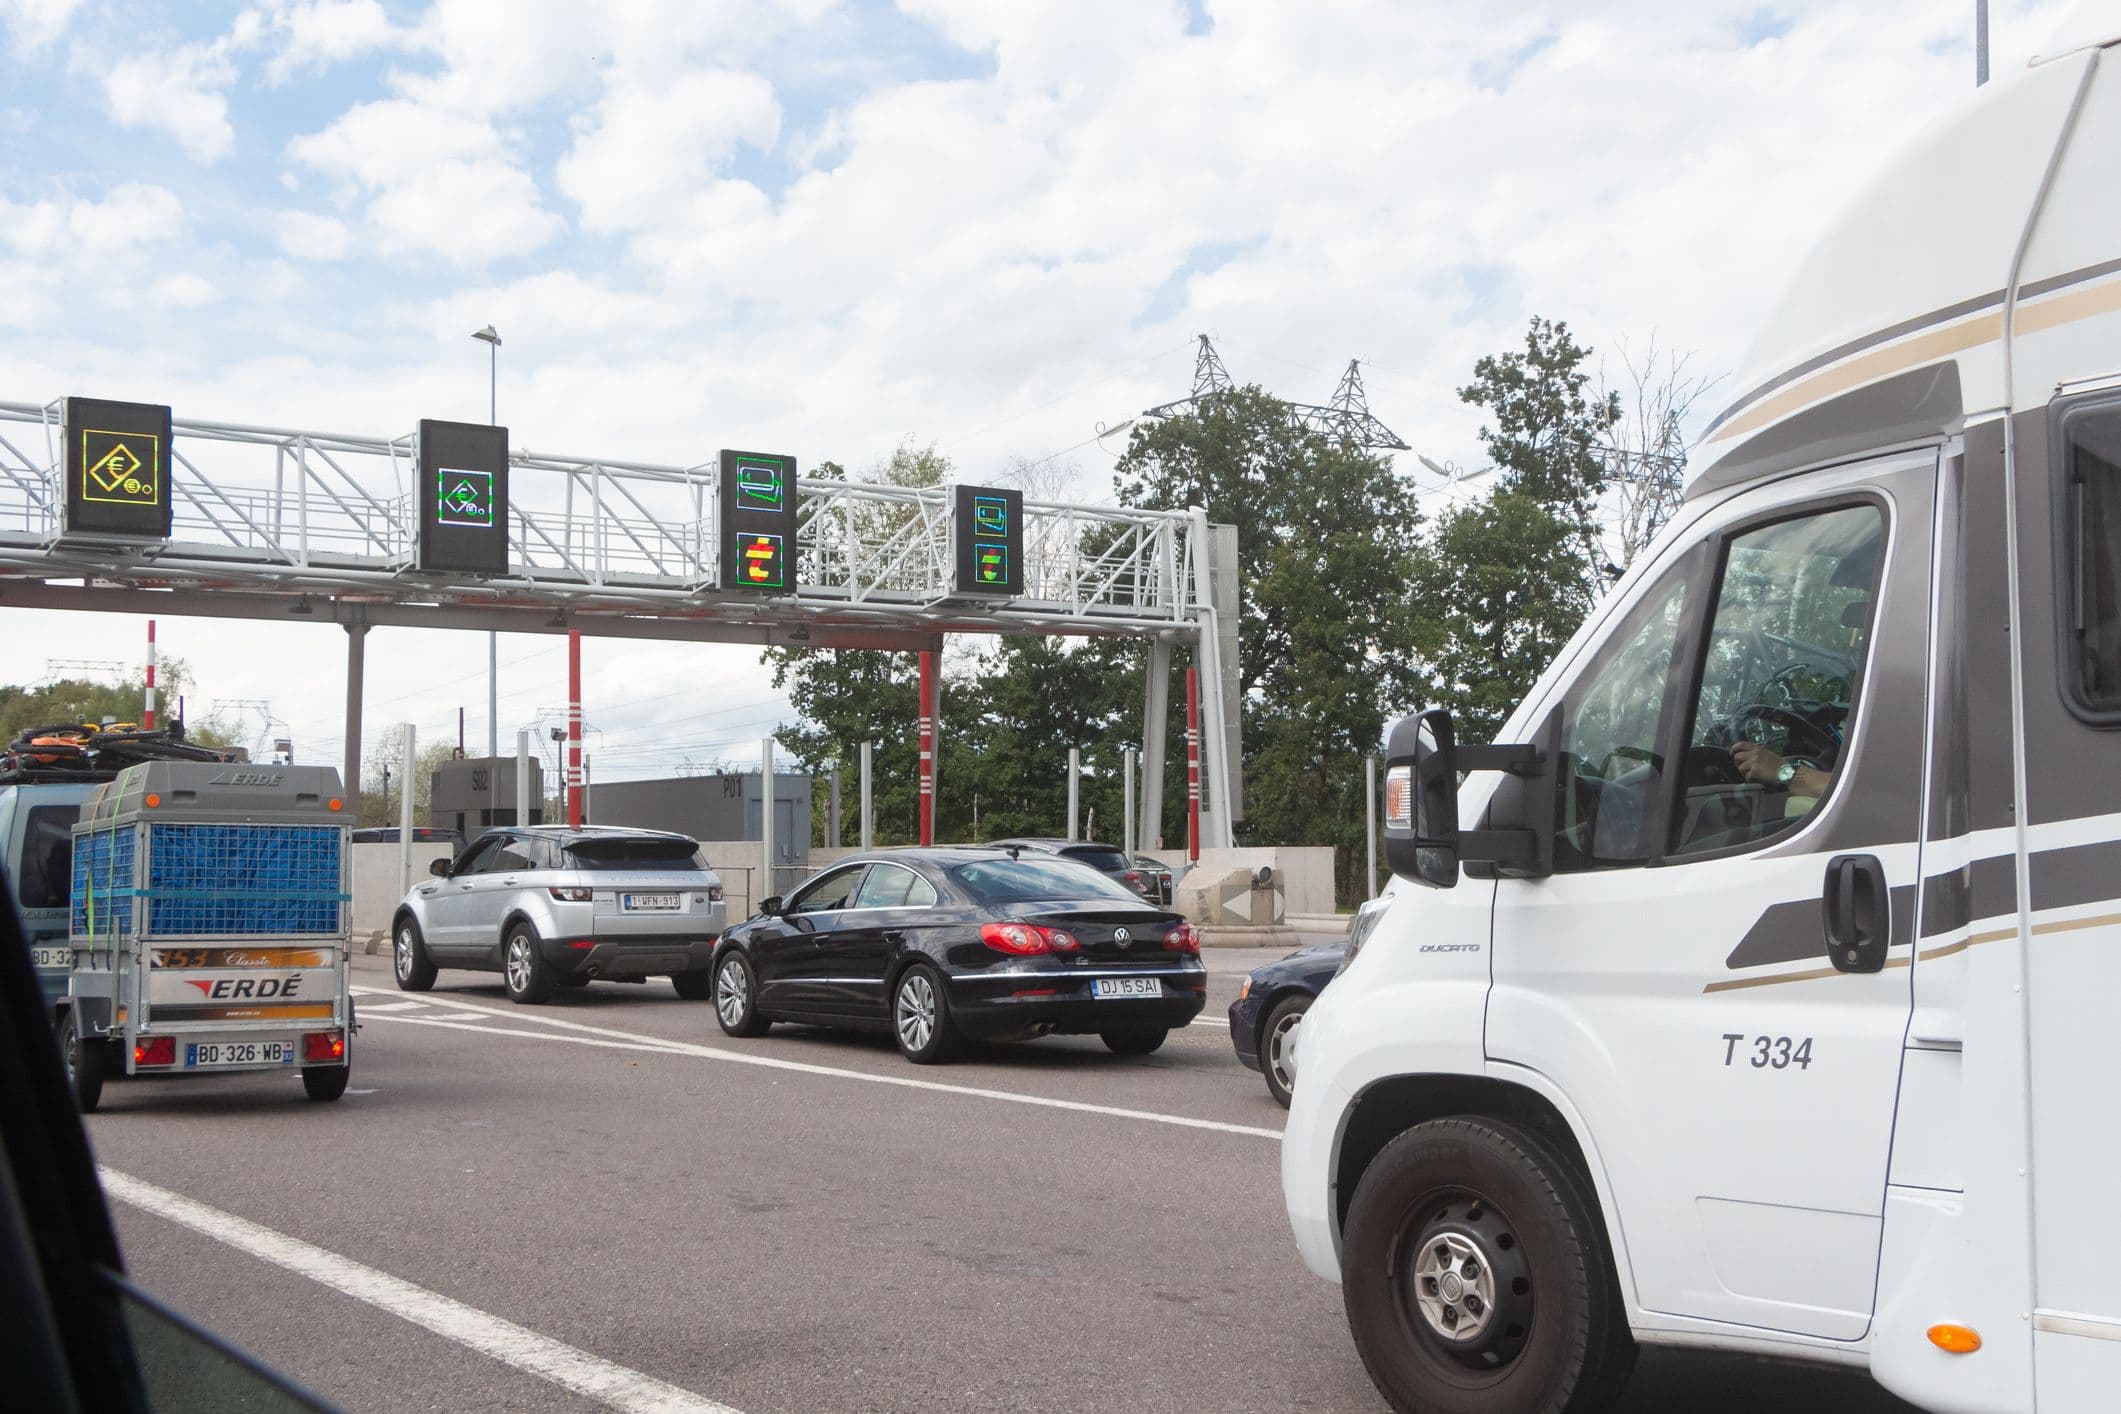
pixel 409 959
pixel 1134 1040
pixel 1475 1276
pixel 693 986
pixel 736 992
pixel 84 1063
pixel 1276 1036
pixel 920 1017
pixel 523 968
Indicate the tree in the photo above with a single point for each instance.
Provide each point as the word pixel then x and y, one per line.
pixel 1547 437
pixel 382 789
pixel 75 701
pixel 1505 580
pixel 1645 446
pixel 1327 543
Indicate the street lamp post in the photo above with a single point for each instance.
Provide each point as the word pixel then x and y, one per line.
pixel 492 340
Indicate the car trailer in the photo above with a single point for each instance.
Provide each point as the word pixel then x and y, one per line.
pixel 210 927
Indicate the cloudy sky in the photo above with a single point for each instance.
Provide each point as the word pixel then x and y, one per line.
pixel 834 225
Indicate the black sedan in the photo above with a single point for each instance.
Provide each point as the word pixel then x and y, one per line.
pixel 1269 1005
pixel 938 946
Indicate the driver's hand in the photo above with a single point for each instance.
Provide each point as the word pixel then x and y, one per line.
pixel 1755 762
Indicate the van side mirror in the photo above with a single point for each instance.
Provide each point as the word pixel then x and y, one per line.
pixel 438 867
pixel 1423 843
pixel 770 906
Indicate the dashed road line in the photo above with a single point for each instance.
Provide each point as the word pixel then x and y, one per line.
pixel 490 1335
pixel 631 1040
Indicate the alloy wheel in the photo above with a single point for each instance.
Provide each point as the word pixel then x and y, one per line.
pixel 404 953
pixel 732 994
pixel 519 963
pixel 1278 1049
pixel 916 1011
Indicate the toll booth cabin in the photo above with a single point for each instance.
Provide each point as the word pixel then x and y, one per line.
pixel 474 795
pixel 724 813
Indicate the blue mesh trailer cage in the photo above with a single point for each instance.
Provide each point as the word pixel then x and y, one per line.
pixel 104 884
pixel 244 881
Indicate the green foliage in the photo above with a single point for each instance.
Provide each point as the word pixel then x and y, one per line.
pixel 1547 438
pixel 72 701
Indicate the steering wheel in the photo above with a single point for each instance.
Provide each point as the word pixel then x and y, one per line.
pixel 1817 741
pixel 1712 766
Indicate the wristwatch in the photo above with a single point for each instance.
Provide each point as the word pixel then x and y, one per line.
pixel 1786 774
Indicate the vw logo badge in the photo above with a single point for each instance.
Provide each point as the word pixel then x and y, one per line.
pixel 1122 936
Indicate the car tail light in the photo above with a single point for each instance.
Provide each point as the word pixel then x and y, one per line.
pixel 155 1050
pixel 1133 879
pixel 573 895
pixel 1060 939
pixel 1184 938
pixel 1023 939
pixel 323 1046
pixel 714 893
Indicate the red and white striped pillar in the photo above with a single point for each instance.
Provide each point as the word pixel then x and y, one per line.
pixel 927 762
pixel 148 721
pixel 1193 764
pixel 574 728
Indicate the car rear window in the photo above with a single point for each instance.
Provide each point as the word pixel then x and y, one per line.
pixel 1098 857
pixel 47 855
pixel 641 856
pixel 1045 877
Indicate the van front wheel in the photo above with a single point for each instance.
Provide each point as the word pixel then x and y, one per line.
pixel 1475 1276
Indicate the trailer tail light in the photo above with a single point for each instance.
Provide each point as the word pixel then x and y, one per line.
pixel 155 1050
pixel 1184 938
pixel 1955 1339
pixel 324 1046
pixel 1399 798
pixel 572 894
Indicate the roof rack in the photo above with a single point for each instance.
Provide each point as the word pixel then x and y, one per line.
pixel 76 753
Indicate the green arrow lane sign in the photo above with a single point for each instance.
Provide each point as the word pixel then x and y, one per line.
pixel 464 497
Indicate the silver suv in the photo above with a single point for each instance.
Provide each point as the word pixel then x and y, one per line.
pixel 550 907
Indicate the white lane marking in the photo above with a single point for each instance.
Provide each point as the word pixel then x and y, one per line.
pixel 490 1335
pixel 376 1008
pixel 1205 1020
pixel 632 1040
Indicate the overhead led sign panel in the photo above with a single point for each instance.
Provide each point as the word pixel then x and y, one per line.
pixel 987 539
pixel 463 498
pixel 758 522
pixel 117 468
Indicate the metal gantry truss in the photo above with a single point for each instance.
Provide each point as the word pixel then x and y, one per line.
pixel 596 543
pixel 1345 419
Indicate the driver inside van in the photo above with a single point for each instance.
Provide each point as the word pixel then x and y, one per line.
pixel 1765 766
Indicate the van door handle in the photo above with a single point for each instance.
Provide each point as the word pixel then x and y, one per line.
pixel 1858 913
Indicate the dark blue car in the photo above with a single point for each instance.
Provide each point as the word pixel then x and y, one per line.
pixel 1272 1001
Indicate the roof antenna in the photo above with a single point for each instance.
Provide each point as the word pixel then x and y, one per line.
pixel 1015 851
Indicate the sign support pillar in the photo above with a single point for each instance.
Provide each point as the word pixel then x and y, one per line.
pixel 1193 765
pixel 356 658
pixel 868 826
pixel 574 728
pixel 1126 818
pixel 927 747
pixel 1075 775
pixel 405 786
pixel 1156 709
pixel 522 810
pixel 765 822
pixel 148 721
pixel 832 810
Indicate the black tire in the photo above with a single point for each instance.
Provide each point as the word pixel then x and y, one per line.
pixel 326 1082
pixel 1275 1033
pixel 736 996
pixel 1134 1040
pixel 523 970
pixel 1480 1208
pixel 408 956
pixel 84 1059
pixel 693 986
pixel 920 1017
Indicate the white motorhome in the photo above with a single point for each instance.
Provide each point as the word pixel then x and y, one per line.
pixel 1768 1001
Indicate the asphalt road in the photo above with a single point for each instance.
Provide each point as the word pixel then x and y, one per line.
pixel 798 1222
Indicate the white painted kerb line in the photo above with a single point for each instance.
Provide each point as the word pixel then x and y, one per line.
pixel 504 1341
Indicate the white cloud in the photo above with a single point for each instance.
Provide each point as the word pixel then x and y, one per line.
pixel 181 92
pixel 309 35
pixel 653 141
pixel 185 291
pixel 306 235
pixel 36 23
pixel 437 181
pixel 65 229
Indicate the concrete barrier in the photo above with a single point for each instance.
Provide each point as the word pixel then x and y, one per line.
pixel 376 890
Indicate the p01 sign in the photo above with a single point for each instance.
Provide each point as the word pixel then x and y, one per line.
pixel 117 468
pixel 758 522
pixel 463 498
pixel 987 539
